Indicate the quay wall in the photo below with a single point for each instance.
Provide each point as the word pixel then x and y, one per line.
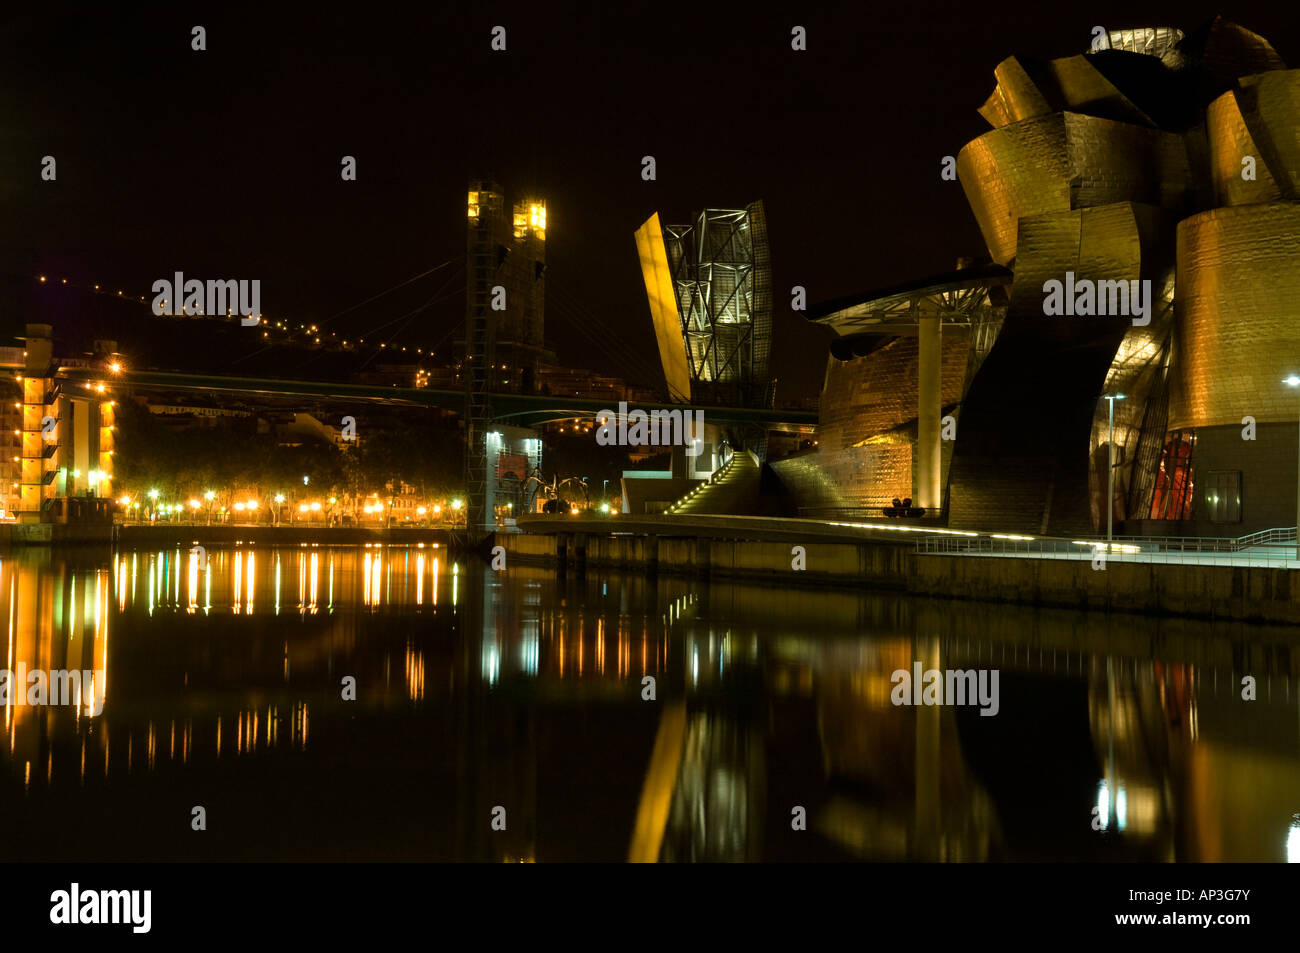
pixel 1243 593
pixel 178 534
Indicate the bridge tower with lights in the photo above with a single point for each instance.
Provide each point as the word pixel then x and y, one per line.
pixel 504 327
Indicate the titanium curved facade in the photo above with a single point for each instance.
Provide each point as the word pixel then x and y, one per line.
pixel 1123 165
pixel 1238 313
pixel 1238 316
pixel 1067 161
pixel 1230 142
pixel 1021 464
pixel 868 432
pixel 1256 122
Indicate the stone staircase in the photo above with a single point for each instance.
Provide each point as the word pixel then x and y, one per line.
pixel 732 490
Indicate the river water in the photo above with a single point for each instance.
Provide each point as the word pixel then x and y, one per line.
pixel 368 703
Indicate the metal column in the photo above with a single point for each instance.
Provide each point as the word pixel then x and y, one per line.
pixel 930 406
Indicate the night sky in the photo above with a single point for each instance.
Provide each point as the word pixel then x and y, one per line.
pixel 225 163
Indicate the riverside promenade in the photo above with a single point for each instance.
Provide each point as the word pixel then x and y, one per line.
pixel 1211 579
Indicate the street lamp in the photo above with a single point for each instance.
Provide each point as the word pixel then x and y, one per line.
pixel 1293 381
pixel 1110 470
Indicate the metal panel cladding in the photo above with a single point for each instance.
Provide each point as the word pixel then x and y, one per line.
pixel 663 307
pixel 1238 316
pixel 1067 161
pixel 1257 124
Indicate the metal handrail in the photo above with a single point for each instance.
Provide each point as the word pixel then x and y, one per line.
pixel 1275 543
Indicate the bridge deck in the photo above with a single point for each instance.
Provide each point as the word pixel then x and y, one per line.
pixel 522 409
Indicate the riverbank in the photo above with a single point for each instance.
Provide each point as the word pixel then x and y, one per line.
pixel 809 553
pixel 18 535
pixel 181 534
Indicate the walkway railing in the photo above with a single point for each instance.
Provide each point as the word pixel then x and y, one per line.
pixel 869 509
pixel 1274 544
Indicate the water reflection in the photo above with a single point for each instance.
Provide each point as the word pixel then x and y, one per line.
pixel 1116 738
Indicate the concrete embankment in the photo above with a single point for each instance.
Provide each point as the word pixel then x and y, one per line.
pixel 181 534
pixel 882 566
pixel 1242 593
pixel 56 534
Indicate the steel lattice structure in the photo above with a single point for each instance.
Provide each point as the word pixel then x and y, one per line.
pixel 721 276
pixel 481 247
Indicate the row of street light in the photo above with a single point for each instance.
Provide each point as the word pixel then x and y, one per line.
pixel 315 509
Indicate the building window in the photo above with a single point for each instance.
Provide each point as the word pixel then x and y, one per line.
pixel 1176 479
pixel 1223 496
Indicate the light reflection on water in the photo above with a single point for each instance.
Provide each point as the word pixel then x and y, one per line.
pixel 222 672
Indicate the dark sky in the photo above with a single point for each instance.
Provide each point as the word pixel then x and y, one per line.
pixel 225 163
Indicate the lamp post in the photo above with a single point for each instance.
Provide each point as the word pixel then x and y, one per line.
pixel 1293 381
pixel 1110 469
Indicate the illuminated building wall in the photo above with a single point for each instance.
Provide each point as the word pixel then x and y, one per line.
pixel 869 418
pixel 1170 158
pixel 1238 313
pixel 67 443
pixel 11 449
pixel 41 456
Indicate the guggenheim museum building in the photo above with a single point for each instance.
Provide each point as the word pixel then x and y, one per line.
pixel 1140 203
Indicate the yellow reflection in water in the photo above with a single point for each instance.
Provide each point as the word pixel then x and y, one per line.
pixel 192 585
